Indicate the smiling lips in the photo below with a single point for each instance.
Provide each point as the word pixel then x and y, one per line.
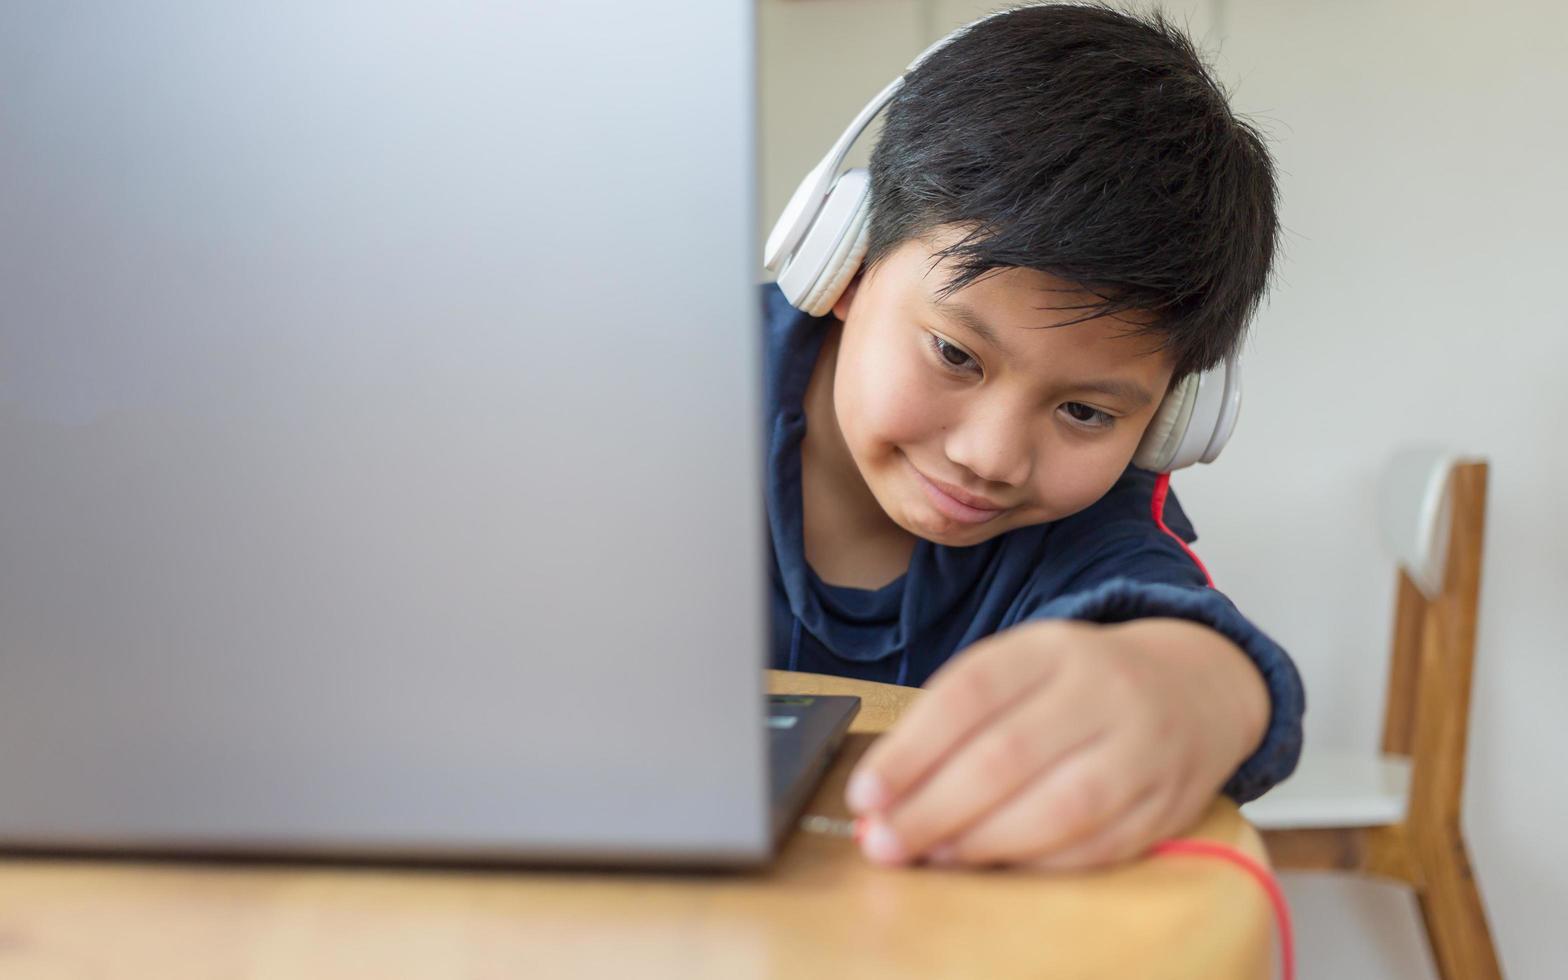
pixel 954 503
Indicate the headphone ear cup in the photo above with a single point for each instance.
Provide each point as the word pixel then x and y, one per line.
pixel 842 266
pixel 821 266
pixel 1158 446
pixel 1215 406
pixel 1195 421
pixel 793 223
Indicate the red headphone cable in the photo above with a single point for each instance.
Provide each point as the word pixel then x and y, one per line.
pixel 1162 486
pixel 1262 875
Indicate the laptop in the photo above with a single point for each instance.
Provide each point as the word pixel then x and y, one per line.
pixel 380 416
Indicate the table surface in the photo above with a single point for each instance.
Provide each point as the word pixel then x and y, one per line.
pixel 820 911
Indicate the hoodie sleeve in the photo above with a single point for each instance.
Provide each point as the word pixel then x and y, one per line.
pixel 1122 565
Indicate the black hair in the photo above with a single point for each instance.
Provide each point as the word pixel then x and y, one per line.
pixel 1094 145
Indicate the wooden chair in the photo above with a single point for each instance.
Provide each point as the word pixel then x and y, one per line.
pixel 1397 814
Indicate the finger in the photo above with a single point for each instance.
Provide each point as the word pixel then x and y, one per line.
pixel 1071 803
pixel 996 763
pixel 969 690
pixel 1126 837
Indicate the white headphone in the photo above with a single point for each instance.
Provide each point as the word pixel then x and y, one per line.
pixel 820 238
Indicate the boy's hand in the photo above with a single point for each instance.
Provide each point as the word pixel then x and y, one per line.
pixel 1061 745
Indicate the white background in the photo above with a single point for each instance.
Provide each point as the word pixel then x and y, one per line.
pixel 1421 147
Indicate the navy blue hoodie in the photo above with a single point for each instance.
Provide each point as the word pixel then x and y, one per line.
pixel 1108 563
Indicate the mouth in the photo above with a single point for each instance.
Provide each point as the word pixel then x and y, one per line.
pixel 957 504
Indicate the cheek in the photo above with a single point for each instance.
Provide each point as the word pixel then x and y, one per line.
pixel 1083 475
pixel 1079 486
pixel 884 395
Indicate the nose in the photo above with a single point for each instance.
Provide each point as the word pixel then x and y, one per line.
pixel 994 444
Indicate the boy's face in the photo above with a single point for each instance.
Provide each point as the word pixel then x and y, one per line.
pixel 977 415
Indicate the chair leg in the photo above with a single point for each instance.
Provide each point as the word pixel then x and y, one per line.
pixel 1455 919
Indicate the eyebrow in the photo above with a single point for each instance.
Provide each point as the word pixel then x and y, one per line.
pixel 961 313
pixel 1134 395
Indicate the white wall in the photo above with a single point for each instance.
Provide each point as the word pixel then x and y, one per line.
pixel 1419 298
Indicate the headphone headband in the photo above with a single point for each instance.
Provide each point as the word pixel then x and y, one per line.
pixel 806 202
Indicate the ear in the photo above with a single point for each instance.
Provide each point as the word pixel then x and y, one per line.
pixel 846 299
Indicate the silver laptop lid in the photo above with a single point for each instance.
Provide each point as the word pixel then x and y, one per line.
pixel 378 423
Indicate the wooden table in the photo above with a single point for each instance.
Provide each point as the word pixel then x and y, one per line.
pixel 820 912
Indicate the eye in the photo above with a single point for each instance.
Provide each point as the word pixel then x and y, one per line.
pixel 1088 416
pixel 953 356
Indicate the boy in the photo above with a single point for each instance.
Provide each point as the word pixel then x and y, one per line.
pixel 1065 218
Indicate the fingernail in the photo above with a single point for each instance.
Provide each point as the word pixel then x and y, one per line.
pixel 881 844
pixel 865 792
pixel 943 855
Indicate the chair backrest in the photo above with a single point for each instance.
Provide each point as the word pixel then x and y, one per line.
pixel 1413 512
pixel 1432 515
